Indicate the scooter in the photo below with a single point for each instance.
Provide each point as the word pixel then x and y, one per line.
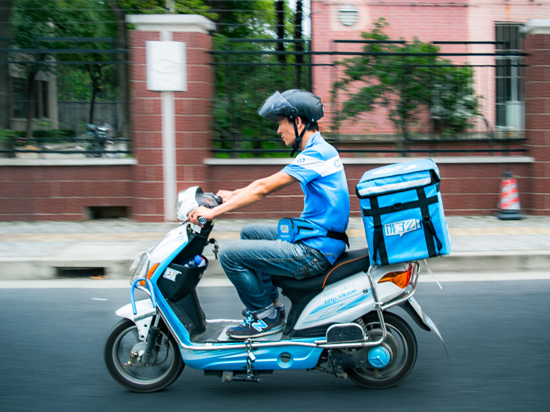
pixel 338 323
pixel 97 138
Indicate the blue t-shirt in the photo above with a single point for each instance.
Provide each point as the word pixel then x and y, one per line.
pixel 319 170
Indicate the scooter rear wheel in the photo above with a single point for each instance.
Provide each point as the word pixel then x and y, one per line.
pixel 400 343
pixel 166 362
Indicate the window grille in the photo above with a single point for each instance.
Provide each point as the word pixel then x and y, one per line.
pixel 509 77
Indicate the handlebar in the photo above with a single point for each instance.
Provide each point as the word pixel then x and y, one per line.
pixel 202 220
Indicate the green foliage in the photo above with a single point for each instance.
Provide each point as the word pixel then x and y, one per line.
pixel 454 103
pixel 247 80
pixel 76 85
pixel 17 137
pixel 159 7
pixel 240 90
pixel 407 83
pixel 242 19
pixel 30 20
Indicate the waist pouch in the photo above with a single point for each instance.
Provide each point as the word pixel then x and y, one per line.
pixel 295 230
pixel 403 212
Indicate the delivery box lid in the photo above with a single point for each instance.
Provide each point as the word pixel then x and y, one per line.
pixel 397 177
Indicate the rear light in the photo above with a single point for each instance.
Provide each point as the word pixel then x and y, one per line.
pixel 400 279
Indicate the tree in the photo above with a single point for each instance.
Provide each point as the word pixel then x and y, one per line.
pixel 407 79
pixel 97 25
pixel 123 70
pixel 241 19
pixel 32 19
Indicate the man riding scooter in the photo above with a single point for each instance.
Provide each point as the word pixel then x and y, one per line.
pixel 298 248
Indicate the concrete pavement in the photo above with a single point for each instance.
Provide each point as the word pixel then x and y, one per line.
pixel 37 250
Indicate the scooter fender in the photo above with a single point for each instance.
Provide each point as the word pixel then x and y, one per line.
pixel 143 318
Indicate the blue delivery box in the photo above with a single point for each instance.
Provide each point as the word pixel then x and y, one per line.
pixel 403 212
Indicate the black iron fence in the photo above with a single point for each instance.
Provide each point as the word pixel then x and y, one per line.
pixel 247 72
pixel 57 69
pixel 245 76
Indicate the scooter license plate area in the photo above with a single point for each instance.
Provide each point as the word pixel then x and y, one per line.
pixel 425 318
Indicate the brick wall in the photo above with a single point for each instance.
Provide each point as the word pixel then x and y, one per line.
pixel 61 192
pixel 467 188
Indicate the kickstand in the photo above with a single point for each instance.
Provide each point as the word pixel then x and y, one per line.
pixel 228 376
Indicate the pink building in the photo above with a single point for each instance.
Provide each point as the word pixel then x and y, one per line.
pixel 432 20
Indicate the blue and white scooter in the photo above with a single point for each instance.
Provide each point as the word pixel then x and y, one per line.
pixel 338 322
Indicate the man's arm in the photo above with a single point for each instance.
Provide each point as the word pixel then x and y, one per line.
pixel 255 191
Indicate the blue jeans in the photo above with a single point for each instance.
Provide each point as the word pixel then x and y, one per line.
pixel 250 262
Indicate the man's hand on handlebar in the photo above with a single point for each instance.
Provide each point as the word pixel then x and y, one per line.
pixel 227 194
pixel 201 211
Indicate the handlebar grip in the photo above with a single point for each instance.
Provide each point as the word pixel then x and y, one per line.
pixel 202 220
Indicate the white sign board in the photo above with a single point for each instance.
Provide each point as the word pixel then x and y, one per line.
pixel 166 66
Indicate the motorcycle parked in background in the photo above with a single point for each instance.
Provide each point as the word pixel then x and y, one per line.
pixel 97 138
pixel 338 323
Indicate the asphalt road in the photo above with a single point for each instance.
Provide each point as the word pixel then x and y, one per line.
pixel 497 334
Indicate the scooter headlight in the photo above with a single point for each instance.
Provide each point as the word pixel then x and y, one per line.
pixel 140 266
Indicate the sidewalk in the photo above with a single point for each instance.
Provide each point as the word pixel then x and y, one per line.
pixel 35 250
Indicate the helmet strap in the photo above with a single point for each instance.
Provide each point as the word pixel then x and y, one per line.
pixel 299 137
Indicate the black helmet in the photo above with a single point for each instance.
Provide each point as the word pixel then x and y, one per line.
pixel 292 103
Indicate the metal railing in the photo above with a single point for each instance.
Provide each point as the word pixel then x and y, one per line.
pixel 481 138
pixel 88 56
pixel 51 148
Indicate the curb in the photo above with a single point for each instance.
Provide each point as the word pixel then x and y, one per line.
pixel 118 268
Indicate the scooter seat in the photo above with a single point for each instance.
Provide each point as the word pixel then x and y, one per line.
pixel 348 264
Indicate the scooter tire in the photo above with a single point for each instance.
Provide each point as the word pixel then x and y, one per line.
pixel 116 351
pixel 402 343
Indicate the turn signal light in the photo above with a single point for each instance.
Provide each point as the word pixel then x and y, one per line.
pixel 400 279
pixel 152 270
pixel 150 273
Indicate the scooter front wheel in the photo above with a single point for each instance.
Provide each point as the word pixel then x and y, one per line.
pixel 122 353
pixel 400 346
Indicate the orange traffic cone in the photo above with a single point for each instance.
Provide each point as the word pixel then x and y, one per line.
pixel 509 208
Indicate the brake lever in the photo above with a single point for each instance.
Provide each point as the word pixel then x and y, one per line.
pixel 216 247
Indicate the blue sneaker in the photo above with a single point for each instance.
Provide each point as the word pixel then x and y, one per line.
pixel 254 328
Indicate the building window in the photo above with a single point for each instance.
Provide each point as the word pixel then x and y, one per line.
pixel 20 102
pixel 509 77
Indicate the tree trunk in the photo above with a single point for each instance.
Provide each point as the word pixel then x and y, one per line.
pixel 5 31
pixel 280 12
pixel 299 46
pixel 123 69
pixel 95 77
pixel 92 104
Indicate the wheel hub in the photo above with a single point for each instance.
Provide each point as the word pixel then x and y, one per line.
pixel 136 355
pixel 379 357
